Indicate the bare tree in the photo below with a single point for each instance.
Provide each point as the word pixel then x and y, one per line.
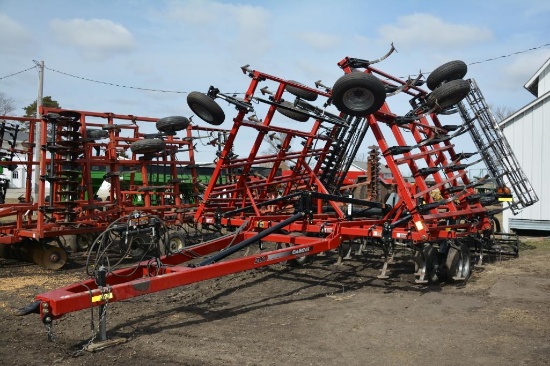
pixel 274 141
pixel 501 112
pixel 7 105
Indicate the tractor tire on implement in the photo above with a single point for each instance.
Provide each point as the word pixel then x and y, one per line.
pixel 304 94
pixel 358 94
pixel 449 71
pixel 147 146
pixel 458 263
pixel 448 94
pixel 172 124
pixel 206 108
pixel 96 134
pixel 289 110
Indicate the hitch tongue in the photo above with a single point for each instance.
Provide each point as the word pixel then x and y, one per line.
pixel 32 308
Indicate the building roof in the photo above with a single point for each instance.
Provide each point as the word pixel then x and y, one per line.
pixel 505 122
pixel 358 166
pixel 532 84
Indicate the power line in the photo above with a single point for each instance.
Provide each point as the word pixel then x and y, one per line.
pixel 114 84
pixel 19 72
pixel 511 54
pixel 184 92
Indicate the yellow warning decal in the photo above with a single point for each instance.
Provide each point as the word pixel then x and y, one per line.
pixel 505 199
pixel 419 225
pixel 102 297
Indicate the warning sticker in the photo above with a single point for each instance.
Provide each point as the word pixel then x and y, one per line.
pixel 102 297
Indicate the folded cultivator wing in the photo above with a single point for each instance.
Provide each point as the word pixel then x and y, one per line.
pixel 288 193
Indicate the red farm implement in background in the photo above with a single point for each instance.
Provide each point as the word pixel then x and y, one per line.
pixel 145 165
pixel 299 206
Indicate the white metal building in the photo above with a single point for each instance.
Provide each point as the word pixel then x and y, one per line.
pixel 528 133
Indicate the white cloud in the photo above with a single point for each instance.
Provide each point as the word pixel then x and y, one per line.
pixel 522 68
pixel 430 32
pixel 319 41
pixel 97 39
pixel 13 36
pixel 233 26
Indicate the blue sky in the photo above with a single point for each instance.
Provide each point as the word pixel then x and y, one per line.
pixel 185 45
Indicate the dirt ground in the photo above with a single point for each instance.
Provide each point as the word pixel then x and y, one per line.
pixel 318 314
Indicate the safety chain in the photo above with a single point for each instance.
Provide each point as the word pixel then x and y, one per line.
pixel 52 338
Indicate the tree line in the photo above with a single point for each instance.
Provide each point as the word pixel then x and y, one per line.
pixel 7 105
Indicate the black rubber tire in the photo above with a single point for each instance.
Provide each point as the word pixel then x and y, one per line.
pixel 452 264
pixel 206 108
pixel 496 225
pixel 431 258
pixel 96 134
pixel 451 70
pixel 358 94
pixel 304 94
pixel 72 114
pixel 147 146
pixel 458 263
pixel 448 94
pixel 292 112
pixel 172 124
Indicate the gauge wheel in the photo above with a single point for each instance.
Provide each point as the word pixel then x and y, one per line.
pixel 358 94
pixel 96 134
pixel 206 108
pixel 451 70
pixel 147 146
pixel 172 124
pixel 304 94
pixel 448 94
pixel 289 110
pixel 458 263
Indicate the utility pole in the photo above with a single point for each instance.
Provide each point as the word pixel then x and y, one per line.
pixel 37 149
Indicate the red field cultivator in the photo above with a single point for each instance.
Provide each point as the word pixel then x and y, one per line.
pixel 299 206
pixel 142 161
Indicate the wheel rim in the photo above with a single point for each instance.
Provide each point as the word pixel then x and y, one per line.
pixel 465 263
pixel 203 112
pixel 358 99
pixel 176 244
pixel 465 267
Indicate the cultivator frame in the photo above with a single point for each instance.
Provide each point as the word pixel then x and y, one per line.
pixel 295 214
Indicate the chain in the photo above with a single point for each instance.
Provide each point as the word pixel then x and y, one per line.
pixel 52 338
